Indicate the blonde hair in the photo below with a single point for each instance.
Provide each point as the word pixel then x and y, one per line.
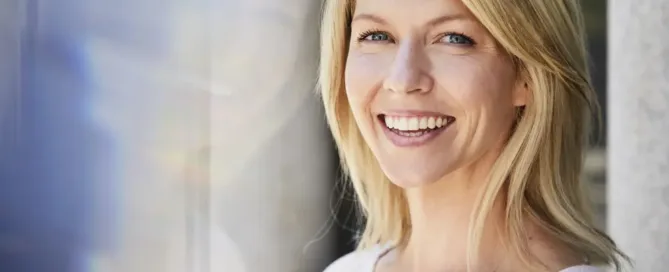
pixel 542 161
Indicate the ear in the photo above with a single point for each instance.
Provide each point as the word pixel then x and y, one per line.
pixel 521 94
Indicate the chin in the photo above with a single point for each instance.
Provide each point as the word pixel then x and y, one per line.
pixel 408 178
pixel 405 184
pixel 414 168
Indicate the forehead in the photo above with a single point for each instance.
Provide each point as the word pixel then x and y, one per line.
pixel 419 11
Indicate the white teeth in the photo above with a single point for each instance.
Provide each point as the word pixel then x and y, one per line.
pixel 423 123
pixel 401 123
pixel 409 124
pixel 413 123
pixel 412 133
pixel 430 123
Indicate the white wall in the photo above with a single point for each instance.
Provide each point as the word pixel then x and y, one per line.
pixel 638 169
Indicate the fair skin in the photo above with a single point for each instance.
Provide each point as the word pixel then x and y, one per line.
pixel 442 64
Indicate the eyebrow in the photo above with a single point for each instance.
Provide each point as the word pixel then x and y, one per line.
pixel 434 22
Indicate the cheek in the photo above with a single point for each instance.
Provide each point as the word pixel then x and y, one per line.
pixel 363 75
pixel 482 89
pixel 473 81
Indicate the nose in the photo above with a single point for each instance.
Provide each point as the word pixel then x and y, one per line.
pixel 409 71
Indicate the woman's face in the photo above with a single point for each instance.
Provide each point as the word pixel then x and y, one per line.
pixel 428 86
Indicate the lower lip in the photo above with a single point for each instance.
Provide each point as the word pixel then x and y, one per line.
pixel 412 141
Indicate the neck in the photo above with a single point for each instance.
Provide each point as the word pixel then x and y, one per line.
pixel 440 220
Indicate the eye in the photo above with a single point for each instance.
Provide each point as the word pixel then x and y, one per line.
pixel 374 36
pixel 456 38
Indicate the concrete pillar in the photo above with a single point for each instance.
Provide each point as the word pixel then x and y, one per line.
pixel 638 171
pixel 272 167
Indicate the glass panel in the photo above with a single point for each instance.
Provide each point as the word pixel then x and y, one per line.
pixel 146 135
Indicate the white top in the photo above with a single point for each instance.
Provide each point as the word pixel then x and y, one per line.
pixel 365 261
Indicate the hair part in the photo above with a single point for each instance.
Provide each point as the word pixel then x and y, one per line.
pixel 541 164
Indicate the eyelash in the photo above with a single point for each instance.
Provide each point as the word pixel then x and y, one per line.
pixel 363 37
pixel 469 41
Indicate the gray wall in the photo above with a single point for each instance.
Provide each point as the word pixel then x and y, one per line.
pixel 638 147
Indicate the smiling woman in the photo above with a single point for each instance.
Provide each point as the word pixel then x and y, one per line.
pixel 462 131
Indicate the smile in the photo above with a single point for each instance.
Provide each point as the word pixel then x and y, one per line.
pixel 406 131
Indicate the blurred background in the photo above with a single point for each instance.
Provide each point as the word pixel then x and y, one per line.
pixel 146 135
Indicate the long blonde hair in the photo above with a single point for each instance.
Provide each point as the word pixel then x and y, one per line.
pixel 542 161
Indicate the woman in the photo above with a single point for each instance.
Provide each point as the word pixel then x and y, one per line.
pixel 462 124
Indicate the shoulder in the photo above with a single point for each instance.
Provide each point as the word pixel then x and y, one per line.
pixel 348 262
pixel 359 260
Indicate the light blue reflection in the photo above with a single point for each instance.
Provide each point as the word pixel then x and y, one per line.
pixel 61 195
pixel 47 178
pixel 161 135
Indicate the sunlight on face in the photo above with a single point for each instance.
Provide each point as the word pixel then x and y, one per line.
pixel 430 93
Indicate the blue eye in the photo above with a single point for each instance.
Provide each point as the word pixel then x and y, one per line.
pixel 459 39
pixel 374 36
pixel 377 37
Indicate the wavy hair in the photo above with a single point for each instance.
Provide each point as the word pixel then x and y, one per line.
pixel 541 164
